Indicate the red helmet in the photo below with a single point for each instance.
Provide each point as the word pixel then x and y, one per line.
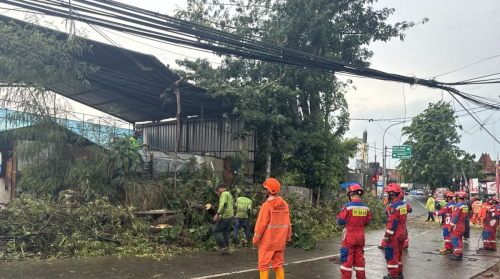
pixel 495 199
pixel 272 185
pixel 401 195
pixel 461 194
pixel 356 188
pixel 393 187
pixel 449 194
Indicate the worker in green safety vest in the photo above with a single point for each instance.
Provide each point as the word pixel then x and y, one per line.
pixel 134 140
pixel 243 209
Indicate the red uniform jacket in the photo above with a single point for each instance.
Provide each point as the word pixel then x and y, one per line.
pixel 355 216
pixel 460 213
pixel 398 212
pixel 446 212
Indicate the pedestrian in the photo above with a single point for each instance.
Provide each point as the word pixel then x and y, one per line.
pixel 457 225
pixel 272 231
pixel 243 209
pixel 395 234
pixel 223 219
pixel 490 226
pixel 354 216
pixel 446 213
pixel 431 203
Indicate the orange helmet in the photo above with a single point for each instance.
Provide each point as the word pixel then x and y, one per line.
pixel 272 185
pixel 449 194
pixel 355 189
pixel 393 187
pixel 461 194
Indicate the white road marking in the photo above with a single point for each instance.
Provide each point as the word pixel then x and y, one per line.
pixel 296 262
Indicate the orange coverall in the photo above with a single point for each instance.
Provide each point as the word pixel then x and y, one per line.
pixel 476 209
pixel 272 231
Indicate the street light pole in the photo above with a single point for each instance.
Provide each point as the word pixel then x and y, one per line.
pixel 384 178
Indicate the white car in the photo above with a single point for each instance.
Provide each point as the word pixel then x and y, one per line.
pixel 420 192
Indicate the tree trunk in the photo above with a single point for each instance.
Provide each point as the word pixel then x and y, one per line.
pixel 295 110
pixel 315 101
pixel 176 86
pixel 268 151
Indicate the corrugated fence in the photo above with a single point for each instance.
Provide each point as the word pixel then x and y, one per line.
pixel 212 136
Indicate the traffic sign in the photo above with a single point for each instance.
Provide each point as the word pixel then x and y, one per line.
pixel 401 152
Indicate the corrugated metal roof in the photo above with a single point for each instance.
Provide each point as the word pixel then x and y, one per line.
pixel 129 84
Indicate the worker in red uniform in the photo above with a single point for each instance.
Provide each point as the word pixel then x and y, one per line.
pixel 490 224
pixel 446 213
pixel 457 225
pixel 407 240
pixel 395 234
pixel 272 231
pixel 354 216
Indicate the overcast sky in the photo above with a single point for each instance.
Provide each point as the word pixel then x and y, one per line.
pixel 458 33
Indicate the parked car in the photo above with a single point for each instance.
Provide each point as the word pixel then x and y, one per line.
pixel 419 192
pixel 439 195
pixel 413 192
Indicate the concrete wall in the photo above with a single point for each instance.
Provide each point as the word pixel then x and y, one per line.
pixel 4 194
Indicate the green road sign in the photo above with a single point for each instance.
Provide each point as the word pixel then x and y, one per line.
pixel 401 152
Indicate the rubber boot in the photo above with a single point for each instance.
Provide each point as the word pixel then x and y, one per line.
pixel 280 273
pixel 445 251
pixel 381 247
pixel 390 277
pixel 456 258
pixel 264 275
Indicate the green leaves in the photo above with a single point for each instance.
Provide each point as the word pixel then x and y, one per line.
pixel 435 154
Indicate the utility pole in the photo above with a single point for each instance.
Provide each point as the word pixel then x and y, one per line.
pixel 385 150
pixel 497 176
pixel 384 175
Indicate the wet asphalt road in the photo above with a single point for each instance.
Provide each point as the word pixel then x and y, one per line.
pixel 424 237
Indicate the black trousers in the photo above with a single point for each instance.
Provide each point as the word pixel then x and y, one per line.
pixel 430 216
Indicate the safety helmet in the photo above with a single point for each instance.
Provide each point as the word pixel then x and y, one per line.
pixel 401 195
pixel 272 185
pixel 461 194
pixel 355 189
pixel 495 199
pixel 393 187
pixel 449 194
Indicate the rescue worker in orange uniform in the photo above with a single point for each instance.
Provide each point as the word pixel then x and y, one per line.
pixel 396 233
pixel 457 225
pixel 476 209
pixel 485 207
pixel 446 213
pixel 273 230
pixel 490 224
pixel 354 216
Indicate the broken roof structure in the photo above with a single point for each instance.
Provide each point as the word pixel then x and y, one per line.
pixel 128 85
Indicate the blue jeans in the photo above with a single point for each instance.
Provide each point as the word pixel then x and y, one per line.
pixel 241 222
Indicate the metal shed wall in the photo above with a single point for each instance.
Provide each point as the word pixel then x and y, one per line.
pixel 213 136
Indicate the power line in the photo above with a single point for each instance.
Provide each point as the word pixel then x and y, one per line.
pixel 491 57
